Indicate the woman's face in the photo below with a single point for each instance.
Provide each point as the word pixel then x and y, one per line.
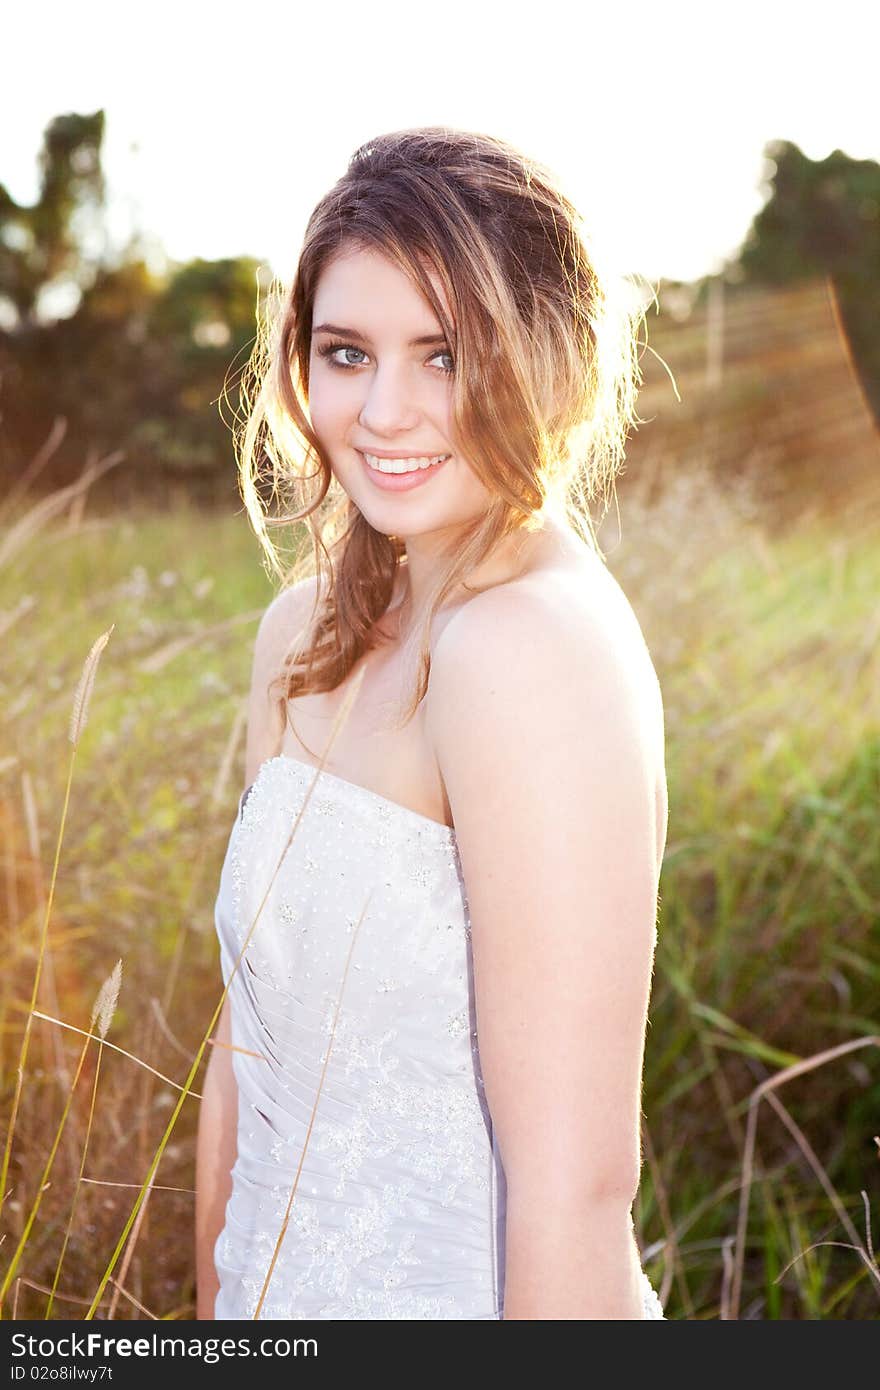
pixel 374 390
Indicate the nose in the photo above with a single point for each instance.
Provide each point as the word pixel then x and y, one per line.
pixel 389 406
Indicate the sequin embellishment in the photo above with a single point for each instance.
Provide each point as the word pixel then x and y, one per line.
pixel 357 1064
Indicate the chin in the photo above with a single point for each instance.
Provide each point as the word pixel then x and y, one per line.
pixel 393 521
pixel 415 513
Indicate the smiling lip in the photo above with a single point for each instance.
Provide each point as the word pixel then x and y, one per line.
pixel 401 453
pixel 400 482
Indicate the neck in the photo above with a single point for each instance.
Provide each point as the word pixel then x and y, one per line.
pixel 424 560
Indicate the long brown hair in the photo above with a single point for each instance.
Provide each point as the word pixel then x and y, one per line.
pixel 544 388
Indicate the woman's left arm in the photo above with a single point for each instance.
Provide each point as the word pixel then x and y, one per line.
pixel 546 728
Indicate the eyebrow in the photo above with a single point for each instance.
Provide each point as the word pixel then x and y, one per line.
pixel 353 333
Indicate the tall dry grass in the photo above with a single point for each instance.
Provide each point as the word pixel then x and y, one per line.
pixel 762 1076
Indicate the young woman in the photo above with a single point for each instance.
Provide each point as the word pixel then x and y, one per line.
pixel 437 912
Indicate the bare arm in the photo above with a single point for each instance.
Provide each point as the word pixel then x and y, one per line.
pixel 217 1139
pixel 545 726
pixel 216 1147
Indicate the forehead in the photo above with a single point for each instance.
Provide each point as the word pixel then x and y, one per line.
pixel 364 289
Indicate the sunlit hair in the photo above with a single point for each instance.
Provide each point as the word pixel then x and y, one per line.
pixel 546 358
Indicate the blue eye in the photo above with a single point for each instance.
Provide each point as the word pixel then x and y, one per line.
pixel 328 351
pixel 330 348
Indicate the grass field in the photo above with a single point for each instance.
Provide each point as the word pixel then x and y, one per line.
pixel 766 645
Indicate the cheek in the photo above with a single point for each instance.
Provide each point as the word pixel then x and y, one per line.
pixel 471 486
pixel 331 399
pixel 465 494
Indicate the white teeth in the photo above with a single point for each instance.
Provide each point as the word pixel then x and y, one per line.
pixel 403 465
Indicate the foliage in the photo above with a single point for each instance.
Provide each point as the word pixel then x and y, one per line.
pixel 47 242
pixel 141 362
pixel 823 218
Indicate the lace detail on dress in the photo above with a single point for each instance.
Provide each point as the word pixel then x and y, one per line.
pixel 357 1270
pixel 356 1058
pixel 651 1304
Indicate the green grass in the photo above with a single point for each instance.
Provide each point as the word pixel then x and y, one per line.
pixel 766 647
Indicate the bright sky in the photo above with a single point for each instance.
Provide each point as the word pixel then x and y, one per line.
pixel 226 122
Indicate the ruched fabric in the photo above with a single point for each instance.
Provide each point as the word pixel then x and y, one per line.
pixel 367 1182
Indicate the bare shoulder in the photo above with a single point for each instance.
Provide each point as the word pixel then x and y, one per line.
pixel 533 673
pixel 575 622
pixel 287 614
pixel 284 620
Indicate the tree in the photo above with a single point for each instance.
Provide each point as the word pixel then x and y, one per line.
pixel 823 216
pixel 49 242
pixel 137 360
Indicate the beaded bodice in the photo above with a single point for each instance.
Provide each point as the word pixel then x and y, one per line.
pixel 359 1081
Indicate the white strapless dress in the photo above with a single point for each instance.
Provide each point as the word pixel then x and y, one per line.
pixel 360 1090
